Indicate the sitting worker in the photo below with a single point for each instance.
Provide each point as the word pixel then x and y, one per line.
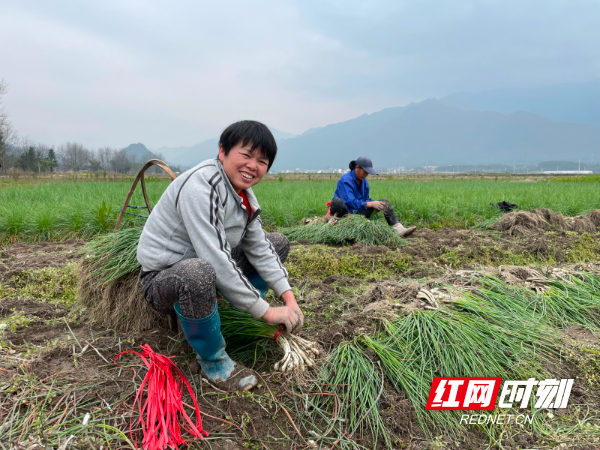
pixel 205 235
pixel 352 195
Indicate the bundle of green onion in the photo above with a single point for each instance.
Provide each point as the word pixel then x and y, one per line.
pixel 351 229
pixel 112 256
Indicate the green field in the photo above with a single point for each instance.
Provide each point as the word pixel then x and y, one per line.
pixel 390 316
pixel 74 209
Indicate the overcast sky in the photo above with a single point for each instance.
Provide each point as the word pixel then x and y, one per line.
pixel 114 72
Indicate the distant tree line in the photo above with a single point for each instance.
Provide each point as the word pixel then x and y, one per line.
pixel 21 154
pixel 32 157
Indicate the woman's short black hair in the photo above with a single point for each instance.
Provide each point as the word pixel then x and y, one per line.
pixel 250 131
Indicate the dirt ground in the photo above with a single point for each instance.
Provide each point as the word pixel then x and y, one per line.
pixel 54 365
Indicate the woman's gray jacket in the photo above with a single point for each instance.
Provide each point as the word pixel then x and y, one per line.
pixel 201 216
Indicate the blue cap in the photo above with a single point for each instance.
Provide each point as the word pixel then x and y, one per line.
pixel 366 164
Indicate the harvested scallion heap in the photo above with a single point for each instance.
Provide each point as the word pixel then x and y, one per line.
pixel 349 230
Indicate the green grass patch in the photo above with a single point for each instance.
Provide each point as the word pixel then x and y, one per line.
pixel 585 249
pixel 57 285
pixel 587 357
pixel 318 261
pixel 493 253
pixel 14 322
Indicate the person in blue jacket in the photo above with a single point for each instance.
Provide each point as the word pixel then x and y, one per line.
pixel 352 196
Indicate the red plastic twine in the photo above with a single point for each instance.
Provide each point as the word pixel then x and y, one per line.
pixel 279 333
pixel 160 410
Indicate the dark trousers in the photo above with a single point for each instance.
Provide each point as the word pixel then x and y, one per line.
pixel 193 282
pixel 338 207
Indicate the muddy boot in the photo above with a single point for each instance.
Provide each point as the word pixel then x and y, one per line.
pixel 403 232
pixel 204 335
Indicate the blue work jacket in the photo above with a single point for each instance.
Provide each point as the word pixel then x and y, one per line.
pixel 354 196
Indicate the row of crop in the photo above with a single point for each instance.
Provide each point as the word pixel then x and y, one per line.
pixel 55 210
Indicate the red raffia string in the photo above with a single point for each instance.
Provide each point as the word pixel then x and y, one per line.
pixel 159 413
pixel 279 333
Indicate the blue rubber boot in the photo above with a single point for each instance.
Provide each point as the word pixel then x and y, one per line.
pixel 204 335
pixel 255 279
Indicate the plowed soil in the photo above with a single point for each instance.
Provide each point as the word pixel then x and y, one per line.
pixel 56 347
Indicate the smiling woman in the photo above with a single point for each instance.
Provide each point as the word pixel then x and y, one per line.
pixel 243 167
pixel 205 235
pixel 245 161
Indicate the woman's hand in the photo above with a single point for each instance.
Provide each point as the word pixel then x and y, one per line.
pixel 290 301
pixel 379 206
pixel 282 315
pixel 289 315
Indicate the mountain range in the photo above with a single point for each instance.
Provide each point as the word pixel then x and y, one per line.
pixel 574 103
pixel 559 122
pixel 433 133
